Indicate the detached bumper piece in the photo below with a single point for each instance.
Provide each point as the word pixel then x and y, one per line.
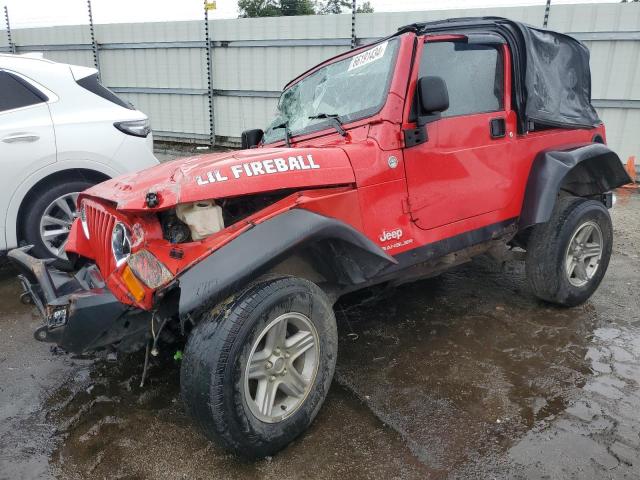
pixel 79 313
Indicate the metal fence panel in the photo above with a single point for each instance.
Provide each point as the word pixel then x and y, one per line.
pixel 316 26
pixel 161 66
pixel 595 17
pixel 623 125
pixel 241 113
pixel 65 35
pixel 173 112
pixel 150 32
pixel 265 68
pixel 4 41
pixel 615 67
pixel 154 68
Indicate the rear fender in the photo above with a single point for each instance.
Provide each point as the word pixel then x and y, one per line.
pixel 583 171
pixel 350 257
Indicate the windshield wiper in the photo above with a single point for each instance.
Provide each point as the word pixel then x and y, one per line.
pixel 333 119
pixel 287 132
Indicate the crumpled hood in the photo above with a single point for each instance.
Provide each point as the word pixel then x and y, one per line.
pixel 227 174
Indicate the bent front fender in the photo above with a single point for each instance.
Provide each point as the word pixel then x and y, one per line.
pixel 268 243
pixel 587 170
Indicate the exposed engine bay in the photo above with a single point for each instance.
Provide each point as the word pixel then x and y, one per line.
pixel 190 222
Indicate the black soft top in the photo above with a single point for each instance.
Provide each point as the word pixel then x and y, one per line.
pixel 552 80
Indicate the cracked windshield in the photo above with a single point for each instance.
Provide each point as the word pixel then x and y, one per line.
pixel 349 89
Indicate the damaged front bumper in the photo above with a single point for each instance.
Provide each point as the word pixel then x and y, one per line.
pixel 79 313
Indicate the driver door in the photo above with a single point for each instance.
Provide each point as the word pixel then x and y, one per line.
pixel 464 168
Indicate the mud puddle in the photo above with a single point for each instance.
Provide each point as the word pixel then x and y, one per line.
pixel 112 428
pixel 464 364
pixel 29 373
pixel 461 376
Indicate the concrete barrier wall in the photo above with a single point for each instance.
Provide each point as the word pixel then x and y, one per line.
pixel 162 68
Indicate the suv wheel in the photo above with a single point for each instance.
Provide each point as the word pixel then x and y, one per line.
pixel 49 217
pixel 568 256
pixel 257 369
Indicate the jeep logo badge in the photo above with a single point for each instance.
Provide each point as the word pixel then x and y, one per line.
pixel 392 235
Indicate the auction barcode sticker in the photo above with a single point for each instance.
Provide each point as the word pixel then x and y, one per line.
pixel 368 56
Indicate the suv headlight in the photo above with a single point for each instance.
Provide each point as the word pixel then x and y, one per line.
pixel 120 243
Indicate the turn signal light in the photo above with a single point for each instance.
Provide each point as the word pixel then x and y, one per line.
pixel 149 269
pixel 133 284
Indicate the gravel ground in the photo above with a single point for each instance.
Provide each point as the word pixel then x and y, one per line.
pixel 461 376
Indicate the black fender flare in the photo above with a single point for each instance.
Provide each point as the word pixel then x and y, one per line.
pixel 266 244
pixel 583 171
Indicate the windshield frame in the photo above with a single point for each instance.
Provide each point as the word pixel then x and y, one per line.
pixel 355 116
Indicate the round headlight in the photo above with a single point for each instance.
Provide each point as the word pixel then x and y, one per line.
pixel 120 243
pixel 83 220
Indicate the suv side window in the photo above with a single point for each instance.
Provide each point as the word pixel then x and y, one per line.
pixel 474 75
pixel 92 84
pixel 16 93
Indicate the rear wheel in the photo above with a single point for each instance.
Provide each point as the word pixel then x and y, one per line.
pixel 568 256
pixel 48 219
pixel 257 370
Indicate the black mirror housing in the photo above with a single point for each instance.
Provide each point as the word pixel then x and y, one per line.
pixel 433 95
pixel 251 138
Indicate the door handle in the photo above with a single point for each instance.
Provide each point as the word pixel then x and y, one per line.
pixel 20 137
pixel 497 127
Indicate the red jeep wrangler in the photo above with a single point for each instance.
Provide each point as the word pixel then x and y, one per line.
pixel 388 163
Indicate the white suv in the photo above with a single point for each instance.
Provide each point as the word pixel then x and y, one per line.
pixel 61 131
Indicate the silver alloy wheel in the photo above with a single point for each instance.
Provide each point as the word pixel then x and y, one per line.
pixel 56 222
pixel 282 367
pixel 584 253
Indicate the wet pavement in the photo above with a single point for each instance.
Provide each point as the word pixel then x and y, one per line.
pixel 462 376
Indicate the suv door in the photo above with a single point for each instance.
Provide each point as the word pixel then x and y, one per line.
pixel 27 139
pixel 463 169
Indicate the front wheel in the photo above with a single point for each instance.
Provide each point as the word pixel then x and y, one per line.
pixel 568 256
pixel 257 369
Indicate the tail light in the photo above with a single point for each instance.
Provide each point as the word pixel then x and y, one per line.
pixel 137 128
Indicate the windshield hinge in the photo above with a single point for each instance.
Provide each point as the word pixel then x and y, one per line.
pixel 415 136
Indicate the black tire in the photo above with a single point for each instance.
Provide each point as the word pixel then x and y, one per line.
pixel 35 210
pixel 217 352
pixel 548 245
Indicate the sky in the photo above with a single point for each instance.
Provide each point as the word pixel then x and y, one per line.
pixel 37 13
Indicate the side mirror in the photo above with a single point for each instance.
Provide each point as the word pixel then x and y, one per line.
pixel 252 138
pixel 433 95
